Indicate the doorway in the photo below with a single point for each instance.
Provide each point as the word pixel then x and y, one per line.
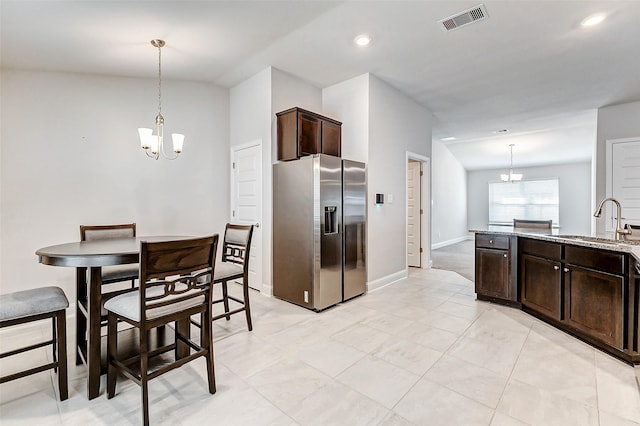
pixel 418 211
pixel 622 168
pixel 246 201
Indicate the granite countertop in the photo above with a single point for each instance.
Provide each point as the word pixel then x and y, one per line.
pixel 601 241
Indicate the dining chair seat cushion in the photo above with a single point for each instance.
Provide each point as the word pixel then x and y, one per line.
pixel 36 301
pixel 120 273
pixel 227 270
pixel 127 305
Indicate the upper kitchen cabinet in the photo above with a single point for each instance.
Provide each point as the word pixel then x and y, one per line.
pixel 302 132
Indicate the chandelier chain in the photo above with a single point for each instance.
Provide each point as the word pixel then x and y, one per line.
pixel 511 146
pixel 159 80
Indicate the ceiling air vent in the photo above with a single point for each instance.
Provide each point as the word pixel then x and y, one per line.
pixel 469 16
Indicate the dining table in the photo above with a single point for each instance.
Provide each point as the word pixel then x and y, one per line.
pixel 92 256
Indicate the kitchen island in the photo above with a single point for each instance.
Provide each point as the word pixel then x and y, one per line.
pixel 587 286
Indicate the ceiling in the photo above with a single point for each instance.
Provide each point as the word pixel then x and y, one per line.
pixel 529 68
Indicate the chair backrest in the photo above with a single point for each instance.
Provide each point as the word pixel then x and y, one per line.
pixel 532 224
pixel 175 273
pixel 237 244
pixel 107 232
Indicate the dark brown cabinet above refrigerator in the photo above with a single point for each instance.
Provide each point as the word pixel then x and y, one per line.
pixel 302 132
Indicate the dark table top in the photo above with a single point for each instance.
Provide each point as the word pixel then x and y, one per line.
pixel 116 251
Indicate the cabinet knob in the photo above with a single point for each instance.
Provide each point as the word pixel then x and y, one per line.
pixel 556 267
pixel 566 269
pixel 490 241
pixel 504 255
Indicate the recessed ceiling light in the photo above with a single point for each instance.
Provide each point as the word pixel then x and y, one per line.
pixel 593 20
pixel 501 131
pixel 362 40
pixel 449 138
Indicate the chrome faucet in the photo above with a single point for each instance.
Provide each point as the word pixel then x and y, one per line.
pixel 619 230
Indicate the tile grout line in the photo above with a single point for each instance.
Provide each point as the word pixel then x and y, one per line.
pixel 511 374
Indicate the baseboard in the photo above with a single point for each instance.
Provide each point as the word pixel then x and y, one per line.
pixel 450 242
pixel 267 290
pixel 385 281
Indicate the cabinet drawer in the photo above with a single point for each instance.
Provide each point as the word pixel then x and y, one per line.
pixel 610 262
pixel 540 248
pixel 492 241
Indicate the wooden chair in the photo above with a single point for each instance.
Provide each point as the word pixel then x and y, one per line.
pixel 234 266
pixel 119 273
pixel 175 283
pixel 33 305
pixel 112 274
pixel 532 224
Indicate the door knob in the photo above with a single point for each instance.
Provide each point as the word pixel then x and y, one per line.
pixel 257 225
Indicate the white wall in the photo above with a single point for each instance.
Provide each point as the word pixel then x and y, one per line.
pixel 250 118
pixel 348 102
pixel 449 198
pixel 397 124
pixel 614 122
pixel 575 194
pixel 249 105
pixel 70 156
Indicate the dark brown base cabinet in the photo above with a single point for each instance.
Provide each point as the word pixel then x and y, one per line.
pixel 494 280
pixel 578 289
pixel 541 286
pixel 591 293
pixel 594 304
pixel 302 132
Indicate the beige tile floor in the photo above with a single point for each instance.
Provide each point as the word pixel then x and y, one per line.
pixel 420 351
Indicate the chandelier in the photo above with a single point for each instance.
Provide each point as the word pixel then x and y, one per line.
pixel 511 177
pixel 153 145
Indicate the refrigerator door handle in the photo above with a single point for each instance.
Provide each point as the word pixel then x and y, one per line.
pixel 331 220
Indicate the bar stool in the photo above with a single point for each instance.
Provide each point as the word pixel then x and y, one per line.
pixel 36 304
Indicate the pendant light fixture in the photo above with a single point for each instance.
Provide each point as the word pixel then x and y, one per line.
pixel 153 145
pixel 511 177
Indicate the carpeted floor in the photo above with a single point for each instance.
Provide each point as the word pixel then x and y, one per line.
pixel 457 257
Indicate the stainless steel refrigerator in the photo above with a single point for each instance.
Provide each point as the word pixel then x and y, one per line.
pixel 319 224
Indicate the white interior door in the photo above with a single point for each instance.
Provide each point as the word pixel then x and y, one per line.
pixel 246 205
pixel 623 181
pixel 413 214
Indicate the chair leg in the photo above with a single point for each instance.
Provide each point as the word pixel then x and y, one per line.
pixel 61 334
pixel 206 341
pixel 225 298
pixel 247 308
pixel 54 346
pixel 112 354
pixel 144 381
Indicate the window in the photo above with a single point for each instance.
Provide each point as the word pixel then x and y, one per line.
pixel 530 199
